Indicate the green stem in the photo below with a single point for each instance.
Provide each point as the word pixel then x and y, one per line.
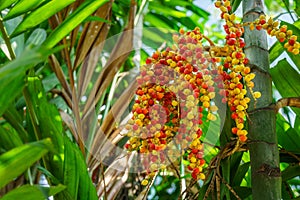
pixel 7 40
pixel 264 154
pixel 29 176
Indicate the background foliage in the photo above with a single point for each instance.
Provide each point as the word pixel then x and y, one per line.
pixel 55 68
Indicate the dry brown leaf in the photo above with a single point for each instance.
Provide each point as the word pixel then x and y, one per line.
pixel 75 31
pixel 118 56
pixel 68 120
pixel 76 111
pixel 118 109
pixel 19 181
pixel 73 36
pixel 90 62
pixel 103 137
pixel 53 21
pixel 115 177
pixel 56 68
pixel 90 33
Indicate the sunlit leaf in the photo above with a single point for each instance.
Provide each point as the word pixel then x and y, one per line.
pixel 199 11
pixel 287 136
pixel 286 80
pixel 71 176
pixel 268 3
pixel 290 172
pixel 98 19
pixel 157 21
pixel 77 179
pixel 175 3
pixel 22 7
pixel 13 117
pixel 40 15
pixel 12 74
pixel 6 3
pixel 275 51
pixel 297 9
pixel 36 192
pixel 46 121
pixel 240 174
pixel 235 5
pixel 72 21
pixel 160 9
pixel 9 138
pixel 20 158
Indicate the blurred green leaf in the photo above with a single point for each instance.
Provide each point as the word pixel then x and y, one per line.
pixel 12 116
pixel 66 165
pixel 187 22
pixel 153 37
pixel 242 192
pixel 41 14
pixel 48 175
pixel 36 192
pixel 287 136
pixel 275 51
pixel 3 57
pixel 297 9
pixel 21 7
pixel 295 181
pixel 96 18
pixel 286 191
pixel 175 3
pixel 199 11
pixel 72 21
pixel 225 166
pixel 297 123
pixel 13 73
pixel 6 3
pixel 14 162
pixel 78 184
pixel 37 37
pixel 50 81
pixel 46 122
pixel 235 161
pixel 162 10
pixel 29 192
pixel 290 172
pixel 168 188
pixel 157 21
pixel 71 175
pixel 240 174
pixel 286 80
pixel 9 138
pixel 268 3
pixel 286 3
pixel 235 5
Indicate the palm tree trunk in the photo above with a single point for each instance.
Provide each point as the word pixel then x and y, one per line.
pixel 264 154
